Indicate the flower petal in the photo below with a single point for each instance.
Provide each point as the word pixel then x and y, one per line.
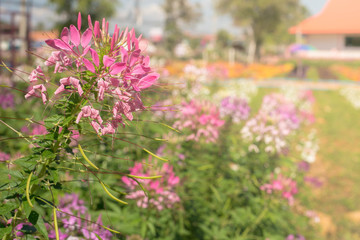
pixel 95 57
pixel 65 34
pixel 117 68
pixel 108 61
pixel 51 43
pixel 86 38
pixel 79 21
pixel 86 50
pixel 138 70
pixel 148 80
pixel 97 29
pixel 62 45
pixel 74 35
pixel 89 65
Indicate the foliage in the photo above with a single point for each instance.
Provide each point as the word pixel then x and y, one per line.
pixel 98 84
pixel 223 38
pixel 263 18
pixel 236 163
pixel 177 12
pixel 69 9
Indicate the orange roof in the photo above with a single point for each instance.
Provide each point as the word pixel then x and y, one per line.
pixel 337 17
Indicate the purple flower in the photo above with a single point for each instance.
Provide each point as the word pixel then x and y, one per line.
pixel 314 181
pixel 70 219
pixel 303 166
pixel 238 109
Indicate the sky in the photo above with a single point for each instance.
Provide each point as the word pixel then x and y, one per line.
pixel 152 15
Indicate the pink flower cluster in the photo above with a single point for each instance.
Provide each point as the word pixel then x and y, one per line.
pixel 39 130
pixel 237 108
pixel 161 191
pixel 276 119
pixel 282 185
pixel 7 100
pixel 201 118
pixel 4 157
pixel 28 227
pixel 103 69
pixel 72 210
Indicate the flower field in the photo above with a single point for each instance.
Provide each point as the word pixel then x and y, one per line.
pixel 96 143
pixel 225 70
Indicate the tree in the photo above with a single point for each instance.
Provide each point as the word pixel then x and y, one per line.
pixel 177 11
pixel 223 38
pixel 98 9
pixel 265 19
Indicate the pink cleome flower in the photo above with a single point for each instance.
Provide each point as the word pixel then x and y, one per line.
pixel 285 187
pixel 103 69
pixel 201 118
pixel 161 191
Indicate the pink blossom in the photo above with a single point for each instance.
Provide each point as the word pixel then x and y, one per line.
pixel 69 81
pixel 162 190
pixel 39 129
pixel 276 120
pixel 41 88
pixel 110 67
pixel 103 86
pixel 285 187
pixel 7 100
pixel 4 157
pixel 35 74
pixel 201 118
pixel 236 108
pixel 70 218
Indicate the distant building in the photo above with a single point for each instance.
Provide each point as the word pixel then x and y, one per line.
pixel 38 37
pixel 334 32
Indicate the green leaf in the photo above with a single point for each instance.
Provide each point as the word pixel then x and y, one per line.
pixel 30 237
pixel 26 162
pixel 48 154
pixel 33 217
pixel 4 231
pixel 53 120
pixel 8 207
pixel 143 229
pixel 54 174
pixel 151 228
pixel 50 136
pixel 40 226
pixel 27 208
pixel 16 174
pixel 67 120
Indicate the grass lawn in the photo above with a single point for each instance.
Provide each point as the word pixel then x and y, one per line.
pixel 337 165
